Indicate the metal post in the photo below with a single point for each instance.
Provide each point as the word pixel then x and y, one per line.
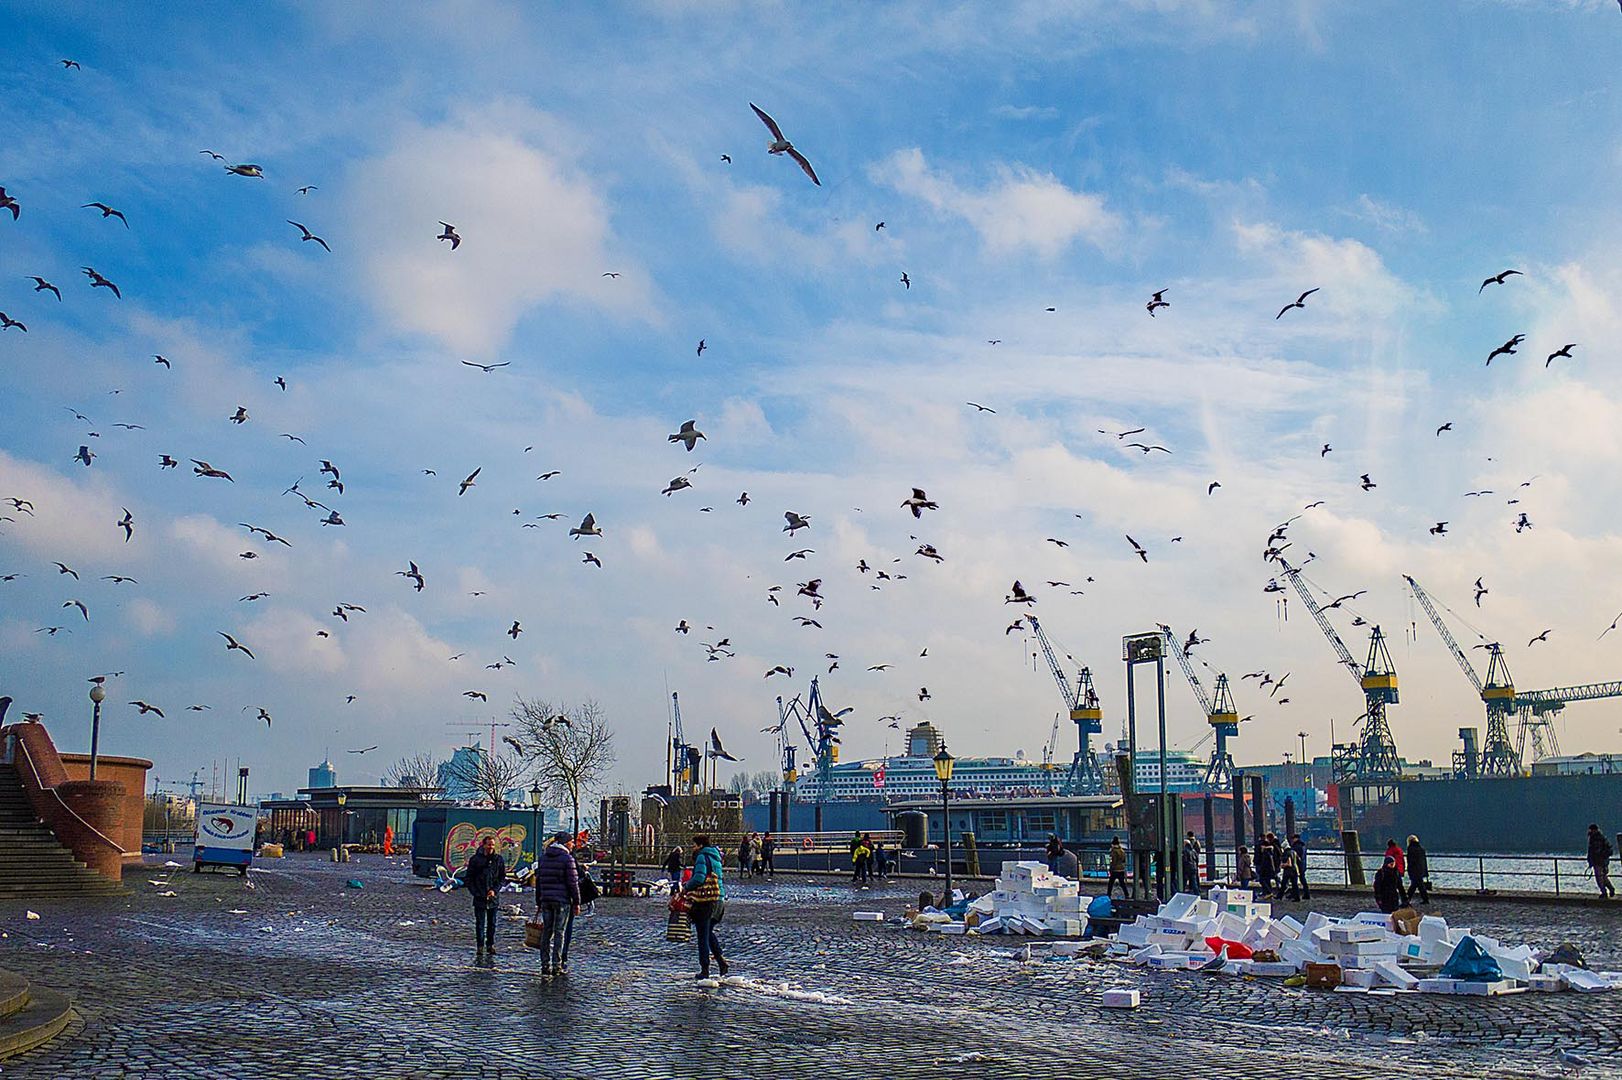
pixel 1238 818
pixel 1258 808
pixel 1165 879
pixel 1557 875
pixel 95 735
pixel 946 820
pixel 1481 872
pixel 1210 839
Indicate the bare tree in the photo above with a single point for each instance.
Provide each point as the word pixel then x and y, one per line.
pixel 570 750
pixel 415 772
pixel 740 784
pixel 489 776
pixel 765 782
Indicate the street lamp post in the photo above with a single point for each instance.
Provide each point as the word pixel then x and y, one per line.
pixel 535 797
pixel 343 825
pixel 98 694
pixel 943 769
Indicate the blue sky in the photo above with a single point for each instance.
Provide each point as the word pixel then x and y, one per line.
pixel 1072 156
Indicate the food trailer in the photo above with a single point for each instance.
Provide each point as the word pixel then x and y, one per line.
pixel 225 835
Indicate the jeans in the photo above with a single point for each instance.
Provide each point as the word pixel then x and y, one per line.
pixel 484 925
pixel 704 917
pixel 766 864
pixel 568 932
pixel 553 932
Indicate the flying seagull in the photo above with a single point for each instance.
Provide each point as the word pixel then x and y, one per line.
pixel 588 527
pixel 780 145
pixel 41 285
pixel 1507 349
pixel 487 368
pixel 1564 350
pixel 1300 302
pixel 107 212
pixel 1496 279
pixel 1158 301
pixel 232 644
pixel 145 708
pixel 795 522
pixel 450 234
pixel 716 749
pixel 919 502
pixel 246 170
pixel 461 488
pixel 308 235
pixel 976 406
pixel 688 435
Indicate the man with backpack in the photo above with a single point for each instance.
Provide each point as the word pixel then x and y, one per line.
pixel 1599 861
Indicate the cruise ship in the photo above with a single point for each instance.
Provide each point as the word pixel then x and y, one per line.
pixel 912 775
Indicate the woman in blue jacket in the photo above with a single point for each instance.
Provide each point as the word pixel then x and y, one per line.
pixel 707 895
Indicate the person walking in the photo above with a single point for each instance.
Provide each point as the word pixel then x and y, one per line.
pixel 557 899
pixel 862 861
pixel 1298 847
pixel 1117 869
pixel 1599 861
pixel 673 868
pixel 881 860
pixel 1289 874
pixel 1191 862
pixel 768 848
pixel 1394 852
pixel 485 875
pixel 1243 868
pixel 1388 886
pixel 1419 871
pixel 707 895
pixel 1266 864
pixel 746 854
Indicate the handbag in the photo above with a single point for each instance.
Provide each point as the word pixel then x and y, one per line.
pixel 708 891
pixel 677 928
pixel 589 889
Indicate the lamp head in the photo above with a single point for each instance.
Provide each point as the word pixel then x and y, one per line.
pixel 943 765
pixel 98 693
pixel 536 795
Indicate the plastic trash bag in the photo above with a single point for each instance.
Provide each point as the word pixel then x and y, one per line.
pixel 1566 953
pixel 1100 908
pixel 1236 951
pixel 1471 963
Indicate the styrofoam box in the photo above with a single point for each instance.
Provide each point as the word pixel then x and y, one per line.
pixel 1364 977
pixel 867 916
pixel 1546 983
pixel 1261 911
pixel 955 929
pixel 1393 973
pixel 1120 999
pixel 1271 969
pixel 1224 897
pixel 1179 906
pixel 1486 989
pixel 1373 918
pixel 1432 928
pixel 1355 932
pixel 1132 935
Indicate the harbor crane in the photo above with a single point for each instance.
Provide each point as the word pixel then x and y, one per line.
pixel 1372 761
pixel 686 760
pixel 1534 710
pixel 820 726
pixel 1085 777
pixel 1219 713
pixel 1497 757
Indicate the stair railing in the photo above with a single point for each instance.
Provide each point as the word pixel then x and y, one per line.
pixel 40 784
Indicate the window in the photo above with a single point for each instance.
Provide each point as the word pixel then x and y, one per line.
pixel 1041 821
pixel 994 821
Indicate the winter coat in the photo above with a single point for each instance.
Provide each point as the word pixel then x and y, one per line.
pixel 1245 869
pixel 1117 859
pixel 746 852
pixel 767 846
pixel 673 866
pixel 707 863
pixel 557 878
pixel 485 874
pixel 1266 861
pixel 1419 865
pixel 1069 865
pixel 1300 848
pixel 1394 852
pixel 1388 889
pixel 1599 849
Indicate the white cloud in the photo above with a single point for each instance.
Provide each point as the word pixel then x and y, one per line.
pixel 1025 112
pixel 1020 209
pixel 1385 216
pixel 149 618
pixel 534 228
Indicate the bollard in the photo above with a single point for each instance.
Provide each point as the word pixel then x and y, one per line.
pixel 971 856
pixel 334 854
pixel 1354 857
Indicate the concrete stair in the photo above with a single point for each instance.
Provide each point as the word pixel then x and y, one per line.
pixel 30 1016
pixel 32 861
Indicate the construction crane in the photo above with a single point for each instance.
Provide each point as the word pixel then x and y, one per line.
pixel 820 726
pixel 686 760
pixel 1219 713
pixel 1496 756
pixel 1372 761
pixel 1085 776
pixel 1537 709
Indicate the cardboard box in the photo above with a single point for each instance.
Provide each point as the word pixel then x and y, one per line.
pixel 1120 999
pixel 1323 976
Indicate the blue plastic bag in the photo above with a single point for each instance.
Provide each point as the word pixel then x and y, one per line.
pixel 1101 907
pixel 1471 963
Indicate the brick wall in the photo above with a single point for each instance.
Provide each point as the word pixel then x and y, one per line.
pixel 129 771
pixel 92 806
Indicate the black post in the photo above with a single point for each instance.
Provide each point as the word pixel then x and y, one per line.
pixel 1210 839
pixel 1289 816
pixel 946 833
pixel 1238 819
pixel 1258 807
pixel 535 828
pixel 1165 880
pixel 95 735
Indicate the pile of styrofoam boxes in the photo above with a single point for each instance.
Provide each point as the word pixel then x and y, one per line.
pixel 1030 899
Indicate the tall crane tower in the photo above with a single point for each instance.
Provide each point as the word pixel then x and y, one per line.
pixel 1085 776
pixel 1538 709
pixel 1219 713
pixel 686 760
pixel 1371 762
pixel 1497 756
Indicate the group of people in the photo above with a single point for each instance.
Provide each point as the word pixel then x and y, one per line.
pixel 1278 867
pixel 869 861
pixel 755 855
pixel 563 883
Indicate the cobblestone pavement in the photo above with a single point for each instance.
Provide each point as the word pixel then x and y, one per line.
pixel 301 976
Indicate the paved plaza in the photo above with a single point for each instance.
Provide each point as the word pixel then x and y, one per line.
pixel 303 976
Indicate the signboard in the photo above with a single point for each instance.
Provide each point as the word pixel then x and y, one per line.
pixel 225 835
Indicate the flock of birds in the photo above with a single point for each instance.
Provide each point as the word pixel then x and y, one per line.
pixel 806 598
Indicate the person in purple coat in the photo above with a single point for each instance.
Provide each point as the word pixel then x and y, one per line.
pixel 557 897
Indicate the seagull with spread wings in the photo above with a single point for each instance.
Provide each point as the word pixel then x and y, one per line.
pixel 780 145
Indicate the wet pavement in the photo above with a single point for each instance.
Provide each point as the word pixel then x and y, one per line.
pixel 303 976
